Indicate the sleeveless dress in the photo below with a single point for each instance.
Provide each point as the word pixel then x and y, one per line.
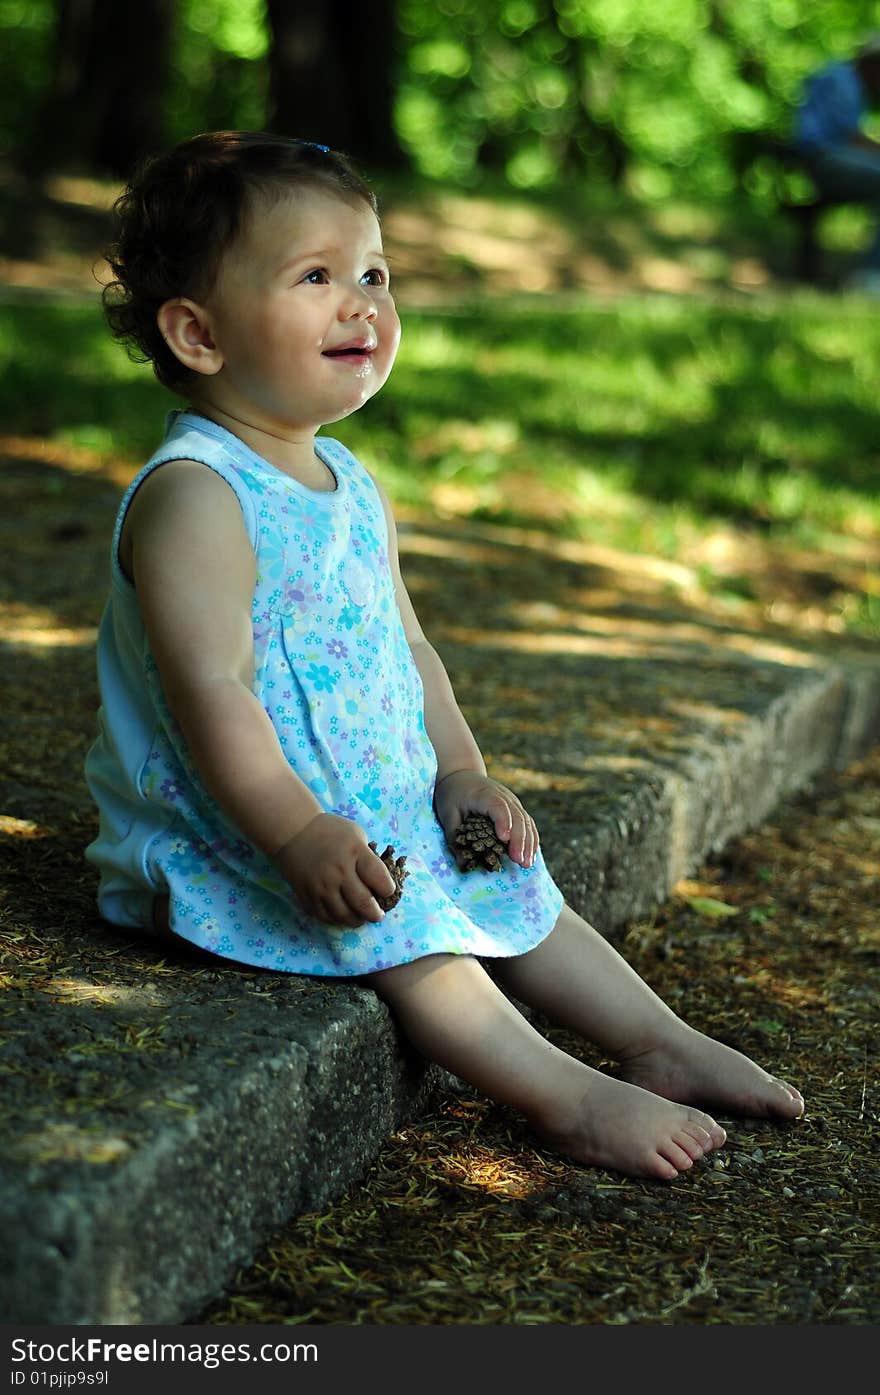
pixel 334 671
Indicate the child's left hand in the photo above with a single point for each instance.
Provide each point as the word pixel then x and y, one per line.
pixel 467 792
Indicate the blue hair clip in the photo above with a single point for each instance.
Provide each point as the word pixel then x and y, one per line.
pixel 315 146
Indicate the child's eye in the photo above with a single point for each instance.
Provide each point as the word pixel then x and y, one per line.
pixel 376 276
pixel 316 277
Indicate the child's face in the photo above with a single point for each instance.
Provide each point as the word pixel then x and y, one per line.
pixel 302 315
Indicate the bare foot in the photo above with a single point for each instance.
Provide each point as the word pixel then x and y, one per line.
pixel 630 1130
pixel 692 1068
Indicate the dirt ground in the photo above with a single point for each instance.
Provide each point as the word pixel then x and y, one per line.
pixel 444 244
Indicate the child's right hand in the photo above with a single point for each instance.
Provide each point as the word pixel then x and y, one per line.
pixel 334 871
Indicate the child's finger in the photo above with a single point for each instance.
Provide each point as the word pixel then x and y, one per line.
pixel 522 843
pixel 530 839
pixel 500 812
pixel 360 901
pixel 334 909
pixel 532 849
pixel 373 872
pixel 523 848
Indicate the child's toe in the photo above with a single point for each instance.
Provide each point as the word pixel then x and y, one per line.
pixel 695 1140
pixel 715 1134
pixel 676 1151
pixel 793 1100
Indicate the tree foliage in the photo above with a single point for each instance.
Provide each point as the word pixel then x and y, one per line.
pixel 664 93
pixel 661 95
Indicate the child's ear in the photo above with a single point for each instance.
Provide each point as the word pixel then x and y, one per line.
pixel 185 328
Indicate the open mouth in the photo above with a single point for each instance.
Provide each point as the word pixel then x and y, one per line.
pixel 357 353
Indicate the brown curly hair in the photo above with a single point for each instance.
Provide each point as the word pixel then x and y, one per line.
pixel 182 210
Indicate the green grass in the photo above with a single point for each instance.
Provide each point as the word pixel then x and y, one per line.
pixel 645 422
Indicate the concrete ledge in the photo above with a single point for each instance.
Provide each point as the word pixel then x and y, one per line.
pixel 268 1123
pixel 664 827
pixel 271 1095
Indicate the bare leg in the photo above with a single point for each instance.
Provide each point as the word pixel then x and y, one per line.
pixel 453 1013
pixel 579 981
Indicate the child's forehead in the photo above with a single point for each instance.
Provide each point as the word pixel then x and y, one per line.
pixel 300 215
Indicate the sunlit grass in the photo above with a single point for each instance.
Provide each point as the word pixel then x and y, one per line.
pixel 645 423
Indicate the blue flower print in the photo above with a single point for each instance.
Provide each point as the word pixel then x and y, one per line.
pixel 349 616
pixel 172 789
pixel 322 678
pixel 298 596
pixel 314 524
pixel 263 630
pixel 271 551
pixel 336 649
pixel 371 796
pixel 370 541
pixel 184 857
pixel 351 697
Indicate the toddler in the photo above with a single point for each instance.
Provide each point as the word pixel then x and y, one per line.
pixel 271 707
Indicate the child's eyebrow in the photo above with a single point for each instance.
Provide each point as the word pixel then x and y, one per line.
pixel 322 254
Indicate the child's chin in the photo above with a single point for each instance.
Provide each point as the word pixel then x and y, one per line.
pixel 358 401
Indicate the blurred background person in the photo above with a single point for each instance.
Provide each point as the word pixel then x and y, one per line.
pixel 829 135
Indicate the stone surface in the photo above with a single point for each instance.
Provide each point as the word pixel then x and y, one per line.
pixel 265 1097
pixel 261 1125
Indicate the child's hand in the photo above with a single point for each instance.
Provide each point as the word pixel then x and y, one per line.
pixel 334 871
pixel 467 792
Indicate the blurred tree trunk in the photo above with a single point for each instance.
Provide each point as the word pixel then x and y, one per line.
pixel 591 139
pixel 333 76
pixel 102 112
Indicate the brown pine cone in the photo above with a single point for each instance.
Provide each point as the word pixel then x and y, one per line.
pixel 399 873
pixel 477 846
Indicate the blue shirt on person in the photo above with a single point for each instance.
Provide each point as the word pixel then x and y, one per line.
pixel 833 108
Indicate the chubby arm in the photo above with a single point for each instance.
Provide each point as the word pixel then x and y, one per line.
pixel 463 786
pixel 186 549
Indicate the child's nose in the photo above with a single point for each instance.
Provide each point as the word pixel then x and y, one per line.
pixel 360 304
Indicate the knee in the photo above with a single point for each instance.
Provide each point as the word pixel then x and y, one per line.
pixel 391 984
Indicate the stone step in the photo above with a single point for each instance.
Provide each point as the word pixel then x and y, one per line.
pixel 267 1096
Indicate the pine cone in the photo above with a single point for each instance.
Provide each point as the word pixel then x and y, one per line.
pixel 477 846
pixel 399 873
